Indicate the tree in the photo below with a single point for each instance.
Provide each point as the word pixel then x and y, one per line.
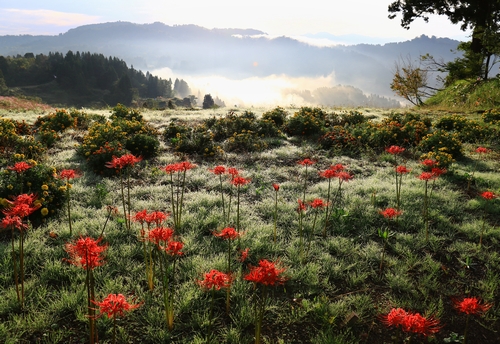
pixel 482 16
pixel 411 81
pixel 208 101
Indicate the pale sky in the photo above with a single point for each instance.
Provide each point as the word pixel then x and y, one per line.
pixel 275 17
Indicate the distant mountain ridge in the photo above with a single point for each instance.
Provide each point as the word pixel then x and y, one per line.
pixel 191 50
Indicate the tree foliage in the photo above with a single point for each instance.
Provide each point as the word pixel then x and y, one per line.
pixel 410 81
pixel 208 102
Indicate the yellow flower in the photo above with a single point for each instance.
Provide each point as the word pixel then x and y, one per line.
pixel 44 211
pixel 28 184
pixel 45 187
pixel 62 188
pixel 10 187
pixel 69 185
pixel 45 193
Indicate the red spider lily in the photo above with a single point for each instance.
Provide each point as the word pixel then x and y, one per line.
pixel 13 222
pixel 266 274
pixel 395 150
pixel 344 176
pixel 215 280
pixel 429 163
pixel 394 318
pixel 233 171
pixel 85 252
pixel 411 322
pixel 218 170
pixel 140 216
pixel 156 217
pixel 237 181
pixel 159 234
pixel 471 305
pixel 276 187
pixel 114 304
pixel 482 150
pixel 174 248
pixel 305 162
pixel 19 167
pixel 123 161
pixel 228 233
pixel 488 195
pixel 438 171
pixel 337 167
pixel 318 203
pixel 426 176
pixel 330 173
pixel 402 170
pixel 186 165
pixel 68 174
pixel 244 255
pixel 390 213
pixel 22 206
pixel 302 206
pixel 171 168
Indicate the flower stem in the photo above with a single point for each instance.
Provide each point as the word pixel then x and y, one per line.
pixel 69 211
pixel 275 215
pixel 327 213
pixel 223 205
pixel 21 266
pixel 14 262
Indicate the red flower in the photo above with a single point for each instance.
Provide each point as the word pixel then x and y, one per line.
pixel 86 252
pixel 302 206
pixel 337 167
pixel 185 165
pixel 305 162
pixel 426 176
pixel 266 273
pixel 215 279
pixel 395 317
pixel 233 171
pixel 402 170
pixel 114 304
pixel 160 234
pixel 276 187
pixel 174 248
pixel 244 255
pixel 471 305
pixel 13 222
pixel 20 167
pixel 429 163
pixel 410 322
pixel 488 195
pixel 344 176
pixel 438 171
pixel 482 150
pixel 395 150
pixel 218 170
pixel 228 233
pixel 237 181
pixel 123 161
pixel 156 217
pixel 68 174
pixel 330 173
pixel 171 168
pixel 390 213
pixel 140 216
pixel 317 203
pixel 22 206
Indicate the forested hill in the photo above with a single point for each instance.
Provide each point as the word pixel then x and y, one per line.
pixel 93 77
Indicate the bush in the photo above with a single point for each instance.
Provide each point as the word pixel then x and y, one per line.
pixel 442 158
pixel 198 140
pixel 467 130
pixel 122 112
pixel 491 116
pixel 278 115
pixel 246 141
pixel 339 138
pixel 144 145
pixel 307 121
pixel 441 141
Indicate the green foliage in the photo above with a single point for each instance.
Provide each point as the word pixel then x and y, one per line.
pixel 196 140
pixel 124 113
pixel 468 130
pixel 307 121
pixel 246 141
pixel 491 116
pixel 442 141
pixel 146 146
pixel 41 180
pixel 339 138
pixel 278 115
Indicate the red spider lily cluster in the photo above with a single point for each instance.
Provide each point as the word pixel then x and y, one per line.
pixel 238 181
pixel 488 195
pixel 69 174
pixel 395 150
pixel 20 207
pixel 215 280
pixel 302 206
pixel 218 170
pixel 411 322
pixel 402 170
pixel 86 252
pixel 276 187
pixel 306 162
pixel 318 203
pixel 228 233
pixel 266 273
pixel 19 167
pixel 113 305
pixel 179 167
pixel 244 255
pixel 123 161
pixel 471 305
pixel 390 213
pixel 162 235
pixel 156 217
pixel 336 171
pixel 482 150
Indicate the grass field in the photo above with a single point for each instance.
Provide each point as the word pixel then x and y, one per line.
pixel 337 287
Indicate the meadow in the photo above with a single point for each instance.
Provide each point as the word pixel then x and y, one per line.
pixel 349 238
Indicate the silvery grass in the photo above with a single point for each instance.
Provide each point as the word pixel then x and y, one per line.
pixel 328 298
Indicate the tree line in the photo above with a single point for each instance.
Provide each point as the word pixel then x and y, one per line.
pixel 84 72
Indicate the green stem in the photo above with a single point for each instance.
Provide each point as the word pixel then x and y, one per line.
pixel 123 199
pixel 14 262
pixel 383 256
pixel 275 215
pixel 311 232
pixel 182 196
pixel 305 185
pixel 21 266
pixel 327 213
pixel 466 329
pixel 128 200
pixel 114 328
pixel 69 211
pixel 223 205
pixel 426 213
pixel 172 199
pixel 260 315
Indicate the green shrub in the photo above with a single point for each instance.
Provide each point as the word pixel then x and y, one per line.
pixel 175 126
pixel 307 121
pixel 338 138
pixel 246 141
pixel 278 115
pixel 467 130
pixel 491 116
pixel 198 141
pixel 442 141
pixel 144 145
pixel 122 112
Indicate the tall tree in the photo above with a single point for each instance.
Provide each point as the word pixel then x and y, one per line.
pixel 482 16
